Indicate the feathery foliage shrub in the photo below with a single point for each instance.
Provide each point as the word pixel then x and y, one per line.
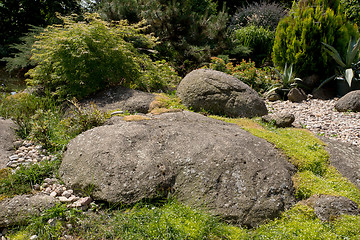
pixel 77 59
pixel 261 14
pixel 22 57
pixel 299 36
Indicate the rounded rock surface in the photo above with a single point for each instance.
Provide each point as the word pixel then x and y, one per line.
pixel 198 159
pixel 219 93
pixel 349 102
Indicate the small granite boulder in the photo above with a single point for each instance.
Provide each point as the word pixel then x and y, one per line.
pixel 280 119
pixel 327 207
pixel 349 102
pixel 7 138
pixel 15 210
pixel 220 93
pixel 296 95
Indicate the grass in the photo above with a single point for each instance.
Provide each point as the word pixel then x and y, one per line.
pixel 23 180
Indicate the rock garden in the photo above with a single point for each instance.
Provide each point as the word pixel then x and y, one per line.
pixel 109 142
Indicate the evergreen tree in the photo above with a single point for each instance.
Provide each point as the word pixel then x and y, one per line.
pixel 299 36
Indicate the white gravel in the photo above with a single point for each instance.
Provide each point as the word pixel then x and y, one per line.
pixel 320 117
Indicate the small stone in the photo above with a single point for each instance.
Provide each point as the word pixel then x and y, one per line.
pixel 17 144
pixel 14 157
pixel 66 194
pixel 38 147
pixel 53 194
pixel 33 237
pixel 36 187
pixel 21 160
pixel 64 199
pixel 68 226
pixel 52 222
pixel 85 201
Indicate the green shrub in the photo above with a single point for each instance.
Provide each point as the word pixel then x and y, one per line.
pixel 258 39
pixel 299 36
pixel 258 79
pixel 77 59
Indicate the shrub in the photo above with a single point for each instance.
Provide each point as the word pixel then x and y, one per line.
pixel 77 59
pixel 299 36
pixel 258 39
pixel 262 14
pixel 258 79
pixel 190 32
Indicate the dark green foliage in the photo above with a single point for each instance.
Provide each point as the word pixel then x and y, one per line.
pixel 21 57
pixel 299 36
pixel 257 39
pixel 16 16
pixel 80 58
pixel 352 10
pixel 190 32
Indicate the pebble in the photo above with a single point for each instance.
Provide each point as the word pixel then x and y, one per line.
pixel 320 117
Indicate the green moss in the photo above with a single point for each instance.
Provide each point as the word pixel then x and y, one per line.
pixel 301 223
pixel 307 184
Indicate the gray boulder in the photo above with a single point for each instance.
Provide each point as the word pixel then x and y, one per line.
pixel 345 158
pixel 15 210
pixel 220 93
pixel 7 137
pixel 280 119
pixel 202 161
pixel 349 102
pixel 296 95
pixel 121 98
pixel 328 207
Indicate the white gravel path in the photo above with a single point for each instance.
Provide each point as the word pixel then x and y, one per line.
pixel 320 117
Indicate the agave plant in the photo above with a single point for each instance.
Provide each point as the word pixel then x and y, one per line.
pixel 351 60
pixel 286 80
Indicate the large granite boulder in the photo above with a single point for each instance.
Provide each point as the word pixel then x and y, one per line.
pixel 15 210
pixel 220 93
pixel 349 102
pixel 121 98
pixel 202 161
pixel 7 138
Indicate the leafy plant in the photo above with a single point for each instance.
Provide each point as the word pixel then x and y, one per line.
pixel 299 36
pixel 346 66
pixel 287 81
pixel 77 59
pixel 257 78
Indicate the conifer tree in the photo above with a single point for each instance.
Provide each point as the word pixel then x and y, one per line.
pixel 299 36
